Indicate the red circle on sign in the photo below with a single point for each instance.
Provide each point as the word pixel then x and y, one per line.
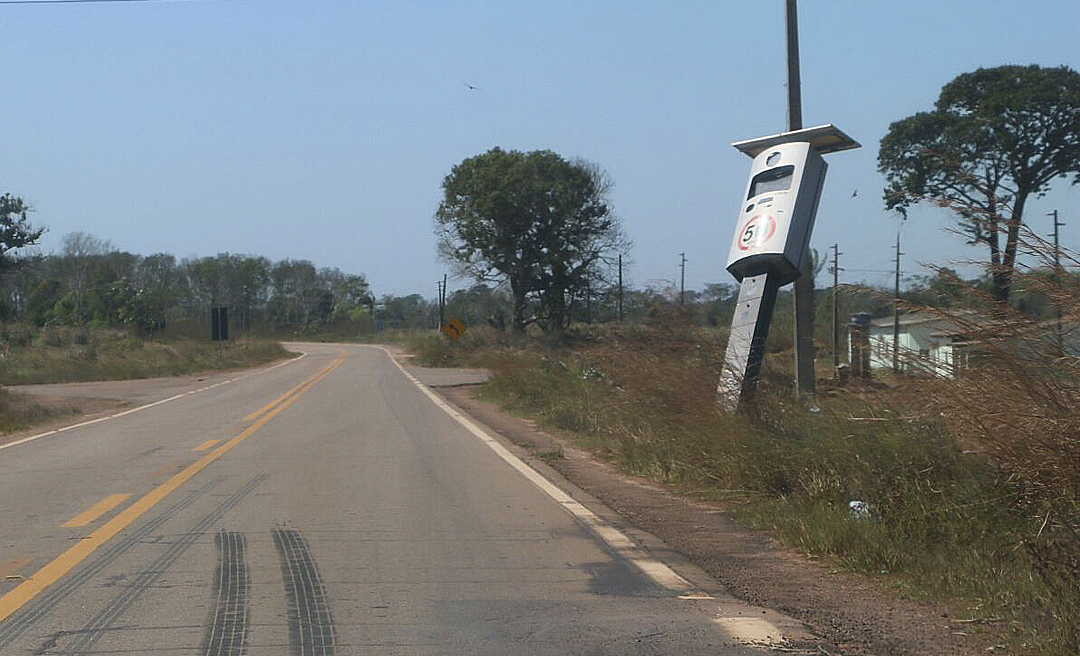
pixel 748 235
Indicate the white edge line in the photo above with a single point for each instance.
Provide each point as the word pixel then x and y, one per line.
pixel 753 631
pixel 129 411
pixel 660 573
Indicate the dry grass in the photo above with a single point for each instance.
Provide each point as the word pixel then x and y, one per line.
pixel 18 411
pixel 56 355
pixel 972 484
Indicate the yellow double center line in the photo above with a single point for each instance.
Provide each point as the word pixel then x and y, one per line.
pixel 62 564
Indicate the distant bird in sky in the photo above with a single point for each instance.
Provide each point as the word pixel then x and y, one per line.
pixel 470 87
pixel 855 193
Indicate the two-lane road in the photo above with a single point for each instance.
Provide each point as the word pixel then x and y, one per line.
pixel 328 505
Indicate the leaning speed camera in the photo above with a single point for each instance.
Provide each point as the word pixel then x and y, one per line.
pixel 777 213
pixel 776 216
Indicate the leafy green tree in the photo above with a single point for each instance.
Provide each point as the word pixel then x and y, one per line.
pixel 995 138
pixel 80 250
pixel 411 311
pixel 296 288
pixel 478 305
pixel 15 230
pixel 42 300
pixel 160 289
pixel 534 220
pixel 352 295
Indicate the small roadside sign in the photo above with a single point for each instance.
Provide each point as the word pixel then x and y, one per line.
pixel 219 323
pixel 454 328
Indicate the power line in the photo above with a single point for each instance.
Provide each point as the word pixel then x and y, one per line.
pixel 72 2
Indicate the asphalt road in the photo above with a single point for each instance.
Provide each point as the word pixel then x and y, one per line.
pixel 329 505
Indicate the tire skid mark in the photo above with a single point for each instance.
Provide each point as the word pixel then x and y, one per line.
pixel 311 626
pixel 101 622
pixel 17 624
pixel 226 633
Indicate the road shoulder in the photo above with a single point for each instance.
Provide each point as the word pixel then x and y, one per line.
pixel 848 614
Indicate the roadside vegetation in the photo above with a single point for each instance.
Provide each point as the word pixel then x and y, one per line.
pixel 963 491
pixel 971 486
pixel 19 411
pixel 73 354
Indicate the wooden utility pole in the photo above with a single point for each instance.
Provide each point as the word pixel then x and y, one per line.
pixel 620 288
pixel 1057 282
pixel 896 310
pixel 588 302
pixel 682 279
pixel 835 308
pixel 442 301
pixel 804 284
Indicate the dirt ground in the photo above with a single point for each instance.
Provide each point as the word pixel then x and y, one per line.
pixel 848 614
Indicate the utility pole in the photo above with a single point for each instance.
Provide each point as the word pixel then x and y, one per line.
pixel 896 310
pixel 1057 283
pixel 589 302
pixel 804 284
pixel 761 268
pixel 442 301
pixel 620 288
pixel 835 308
pixel 682 279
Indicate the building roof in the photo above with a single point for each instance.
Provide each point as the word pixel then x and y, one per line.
pixel 916 318
pixel 905 320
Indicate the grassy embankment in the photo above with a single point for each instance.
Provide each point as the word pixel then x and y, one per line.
pixel 966 507
pixel 64 355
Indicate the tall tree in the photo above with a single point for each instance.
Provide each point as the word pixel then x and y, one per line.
pixel 80 250
pixel 995 138
pixel 15 229
pixel 538 222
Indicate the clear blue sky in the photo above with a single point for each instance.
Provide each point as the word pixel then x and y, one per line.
pixel 322 130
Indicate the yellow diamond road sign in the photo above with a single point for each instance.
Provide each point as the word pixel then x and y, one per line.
pixel 454 328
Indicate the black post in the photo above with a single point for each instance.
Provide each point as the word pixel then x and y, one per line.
pixel 896 310
pixel 219 323
pixel 794 86
pixel 835 309
pixel 682 279
pixel 442 304
pixel 588 302
pixel 803 297
pixel 1057 281
pixel 620 288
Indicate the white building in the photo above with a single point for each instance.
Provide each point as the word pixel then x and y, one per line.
pixel 933 345
pixel 927 344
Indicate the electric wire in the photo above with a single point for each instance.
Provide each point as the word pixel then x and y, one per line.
pixel 73 2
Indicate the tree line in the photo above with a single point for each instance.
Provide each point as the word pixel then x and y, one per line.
pixel 88 282
pixel 539 238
